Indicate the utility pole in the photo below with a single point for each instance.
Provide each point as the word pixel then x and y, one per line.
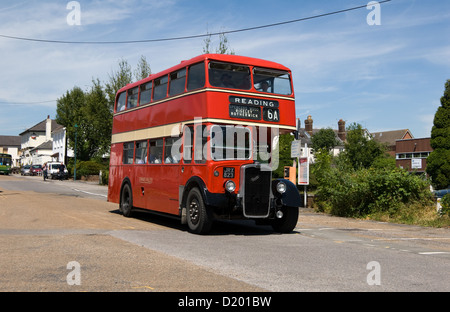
pixel 75 154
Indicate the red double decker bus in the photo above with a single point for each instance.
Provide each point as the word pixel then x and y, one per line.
pixel 199 141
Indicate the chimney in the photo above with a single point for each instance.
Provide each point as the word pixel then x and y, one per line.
pixel 341 130
pixel 48 129
pixel 309 125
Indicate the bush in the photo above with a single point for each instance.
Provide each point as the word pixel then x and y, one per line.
pixel 359 193
pixel 88 168
pixel 445 204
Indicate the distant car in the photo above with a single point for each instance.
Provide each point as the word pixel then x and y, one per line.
pixel 441 193
pixel 36 170
pixel 54 171
pixel 25 170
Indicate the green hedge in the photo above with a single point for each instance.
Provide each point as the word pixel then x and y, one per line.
pixel 368 191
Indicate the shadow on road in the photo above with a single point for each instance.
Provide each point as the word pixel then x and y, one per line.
pixel 220 227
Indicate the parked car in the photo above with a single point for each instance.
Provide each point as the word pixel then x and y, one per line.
pixel 441 193
pixel 54 171
pixel 25 170
pixel 36 170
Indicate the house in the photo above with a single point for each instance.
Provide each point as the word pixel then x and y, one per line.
pixel 10 144
pixel 411 154
pixel 60 150
pixel 41 153
pixel 34 146
pixel 308 131
pixel 389 138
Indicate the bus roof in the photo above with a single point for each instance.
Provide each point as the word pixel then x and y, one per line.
pixel 236 59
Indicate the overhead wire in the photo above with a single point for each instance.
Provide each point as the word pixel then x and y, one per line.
pixel 177 38
pixel 191 36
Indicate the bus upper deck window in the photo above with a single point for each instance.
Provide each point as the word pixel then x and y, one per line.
pixel 226 75
pixel 146 93
pixel 121 102
pixel 272 81
pixel 132 97
pixel 160 88
pixel 177 82
pixel 196 76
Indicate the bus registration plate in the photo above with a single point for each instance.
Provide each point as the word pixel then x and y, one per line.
pixel 228 172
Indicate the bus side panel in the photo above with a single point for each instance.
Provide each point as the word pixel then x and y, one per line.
pixel 155 187
pixel 181 109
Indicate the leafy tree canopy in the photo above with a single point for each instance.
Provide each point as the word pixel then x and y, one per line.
pixel 438 163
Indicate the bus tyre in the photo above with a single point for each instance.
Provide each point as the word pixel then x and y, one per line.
pixel 287 223
pixel 199 219
pixel 126 200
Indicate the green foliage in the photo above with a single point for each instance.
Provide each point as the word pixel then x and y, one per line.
pixel 362 192
pixel 117 80
pixel 324 138
pixel 88 168
pixel 142 69
pixel 445 204
pixel 90 112
pixel 223 47
pixel 360 150
pixel 284 154
pixel 364 181
pixel 438 163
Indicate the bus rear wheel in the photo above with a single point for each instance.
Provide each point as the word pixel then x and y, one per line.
pixel 126 200
pixel 198 217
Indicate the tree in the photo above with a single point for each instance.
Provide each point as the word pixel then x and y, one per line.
pixel 69 112
pixel 117 80
pixel 360 149
pixel 142 69
pixel 223 47
pixel 438 163
pixel 284 154
pixel 324 138
pixel 97 121
pixel 90 112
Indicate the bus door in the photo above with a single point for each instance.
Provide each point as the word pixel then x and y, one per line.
pixel 194 152
pixel 162 176
pixel 170 175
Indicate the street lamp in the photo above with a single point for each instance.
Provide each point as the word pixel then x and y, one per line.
pixel 75 155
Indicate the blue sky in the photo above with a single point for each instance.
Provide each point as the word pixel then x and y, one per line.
pixel 385 77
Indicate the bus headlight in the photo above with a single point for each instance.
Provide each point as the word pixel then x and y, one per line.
pixel 230 186
pixel 281 187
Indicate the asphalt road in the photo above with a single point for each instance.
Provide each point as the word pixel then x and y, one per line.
pixel 45 226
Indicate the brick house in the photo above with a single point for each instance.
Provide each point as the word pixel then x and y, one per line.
pixel 411 154
pixel 389 139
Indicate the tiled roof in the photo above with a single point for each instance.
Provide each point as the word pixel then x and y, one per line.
pixel 10 140
pixel 390 136
pixel 40 127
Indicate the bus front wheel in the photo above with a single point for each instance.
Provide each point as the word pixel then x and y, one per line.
pixel 126 200
pixel 288 221
pixel 198 217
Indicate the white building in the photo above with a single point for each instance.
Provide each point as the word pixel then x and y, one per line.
pixel 60 149
pixel 34 146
